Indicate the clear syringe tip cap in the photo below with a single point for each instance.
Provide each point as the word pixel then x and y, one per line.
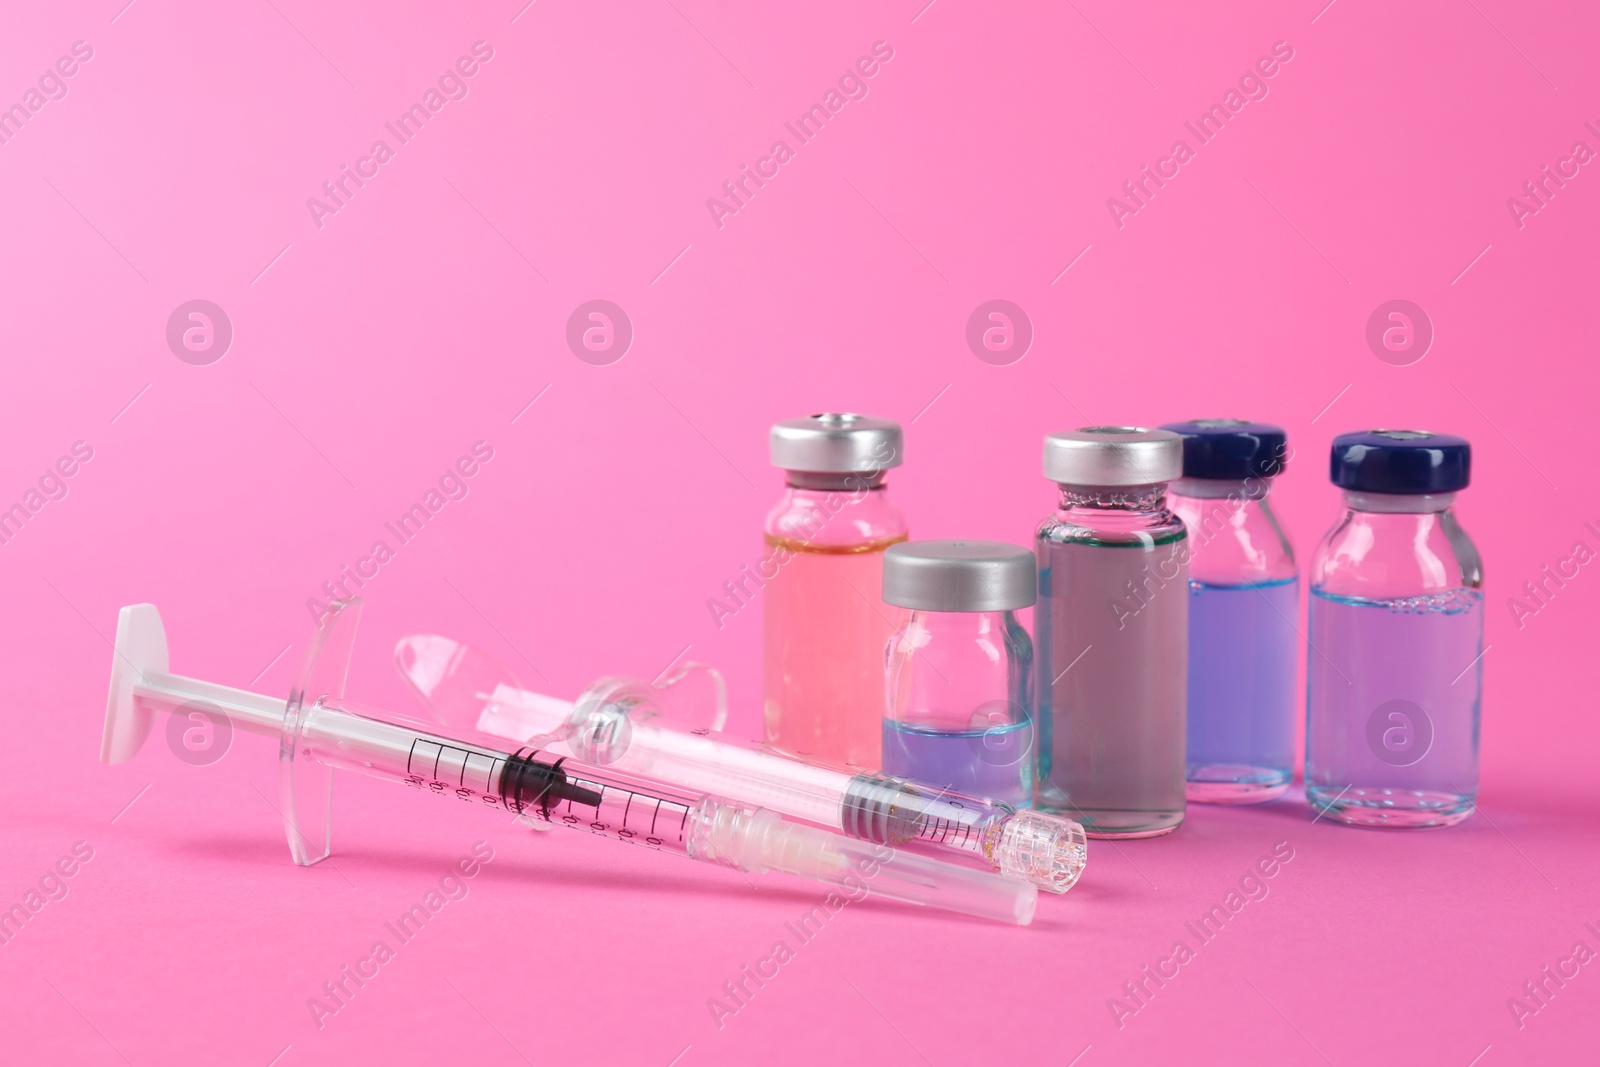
pixel 1047 850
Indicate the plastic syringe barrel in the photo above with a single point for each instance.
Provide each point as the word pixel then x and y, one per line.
pixel 605 801
pixel 1048 850
pixel 761 840
pixel 604 731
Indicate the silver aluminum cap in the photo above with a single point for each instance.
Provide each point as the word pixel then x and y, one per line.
pixel 959 576
pixel 837 443
pixel 1113 455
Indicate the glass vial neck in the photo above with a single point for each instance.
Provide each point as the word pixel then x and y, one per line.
pixel 834 481
pixel 965 623
pixel 1398 504
pixel 1223 488
pixel 1121 498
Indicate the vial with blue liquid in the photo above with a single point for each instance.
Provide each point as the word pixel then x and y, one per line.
pixel 1243 605
pixel 1395 668
pixel 960 668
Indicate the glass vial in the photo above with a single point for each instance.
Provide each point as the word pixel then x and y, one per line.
pixel 1395 668
pixel 823 618
pixel 1244 604
pixel 960 668
pixel 1112 629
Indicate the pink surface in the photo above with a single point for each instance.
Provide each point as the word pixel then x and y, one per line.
pixel 373 346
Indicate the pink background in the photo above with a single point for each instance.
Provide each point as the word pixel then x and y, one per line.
pixel 427 314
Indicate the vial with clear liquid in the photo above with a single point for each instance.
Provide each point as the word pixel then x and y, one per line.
pixel 960 668
pixel 1395 667
pixel 1244 639
pixel 823 617
pixel 1112 630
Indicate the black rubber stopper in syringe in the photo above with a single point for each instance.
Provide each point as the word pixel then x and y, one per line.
pixel 530 782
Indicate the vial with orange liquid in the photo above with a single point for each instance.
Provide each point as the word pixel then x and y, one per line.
pixel 825 625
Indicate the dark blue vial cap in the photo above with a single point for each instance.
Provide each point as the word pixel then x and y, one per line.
pixel 1231 448
pixel 1400 461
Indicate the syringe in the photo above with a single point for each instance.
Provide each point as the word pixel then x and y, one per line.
pixel 617 722
pixel 319 731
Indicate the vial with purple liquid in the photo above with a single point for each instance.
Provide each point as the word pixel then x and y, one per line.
pixel 1395 667
pixel 1243 603
pixel 960 669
